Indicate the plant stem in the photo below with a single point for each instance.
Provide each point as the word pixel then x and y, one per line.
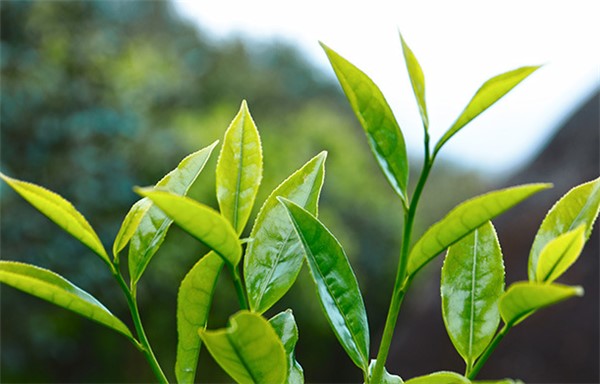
pixel 401 283
pixel 144 344
pixel 239 289
pixel 488 351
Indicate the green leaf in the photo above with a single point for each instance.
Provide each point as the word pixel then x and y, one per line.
pixel 152 227
pixel 501 381
pixel 472 283
pixel 193 305
pixel 274 256
pixel 54 288
pixel 336 284
pixel 579 206
pixel 61 212
pixel 465 218
pixel 387 378
pixel 559 254
pixel 490 92
pixel 284 325
pixel 130 224
pixel 523 298
pixel 200 221
pixel 442 377
pixel 249 350
pixel 377 119
pixel 239 169
pixel 417 80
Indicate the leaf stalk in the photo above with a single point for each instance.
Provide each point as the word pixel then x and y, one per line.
pixel 472 373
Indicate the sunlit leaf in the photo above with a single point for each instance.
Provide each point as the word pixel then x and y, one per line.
pixel 490 92
pixel 249 350
pixel 130 224
pixel 463 219
pixel 377 119
pixel 387 377
pixel 442 377
pixel 200 221
pixel 501 381
pixel 274 256
pixel 417 80
pixel 472 282
pixel 152 227
pixel 193 304
pixel 523 298
pixel 61 212
pixel 54 288
pixel 559 254
pixel 336 284
pixel 285 326
pixel 239 169
pixel 577 207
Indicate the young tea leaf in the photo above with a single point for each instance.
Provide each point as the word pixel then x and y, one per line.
pixel 387 377
pixel 130 224
pixel 54 288
pixel 442 377
pixel 463 219
pixel 417 80
pixel 239 169
pixel 61 212
pixel 490 92
pixel 336 284
pixel 284 325
pixel 472 283
pixel 193 304
pixel 200 221
pixel 249 350
pixel 377 119
pixel 523 298
pixel 559 254
pixel 579 206
pixel 274 256
pixel 152 227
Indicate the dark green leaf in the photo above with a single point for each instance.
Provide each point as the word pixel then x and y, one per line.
pixel 274 256
pixel 336 284
pixel 559 254
pixel 153 225
pixel 61 212
pixel 490 92
pixel 249 350
pixel 200 221
pixel 284 325
pixel 523 298
pixel 54 288
pixel 465 218
pixel 417 80
pixel 472 283
pixel 577 207
pixel 377 119
pixel 239 169
pixel 193 305
pixel 442 377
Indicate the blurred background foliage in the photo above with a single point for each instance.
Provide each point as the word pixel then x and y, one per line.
pixel 99 96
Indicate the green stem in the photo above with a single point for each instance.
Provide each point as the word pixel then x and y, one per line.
pixel 488 351
pixel 144 344
pixel 239 289
pixel 401 283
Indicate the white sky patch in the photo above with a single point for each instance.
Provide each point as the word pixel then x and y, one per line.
pixel 460 44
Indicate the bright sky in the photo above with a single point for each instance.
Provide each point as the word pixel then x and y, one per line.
pixel 459 44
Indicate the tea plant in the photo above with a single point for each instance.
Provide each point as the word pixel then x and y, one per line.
pixel 287 232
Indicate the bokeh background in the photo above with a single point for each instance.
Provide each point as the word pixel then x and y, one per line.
pixel 99 96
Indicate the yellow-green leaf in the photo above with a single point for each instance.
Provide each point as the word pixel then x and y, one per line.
pixel 579 206
pixel 239 169
pixel 200 221
pixel 285 326
pixel 61 212
pixel 442 377
pixel 465 218
pixel 377 119
pixel 522 299
pixel 417 80
pixel 56 289
pixel 490 92
pixel 193 305
pixel 559 254
pixel 249 350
